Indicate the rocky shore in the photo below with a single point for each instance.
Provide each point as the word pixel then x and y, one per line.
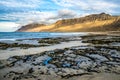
pixel 27 43
pixel 100 60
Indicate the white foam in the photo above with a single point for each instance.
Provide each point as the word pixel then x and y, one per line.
pixel 7 39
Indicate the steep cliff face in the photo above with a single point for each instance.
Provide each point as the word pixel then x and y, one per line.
pixel 89 18
pixel 94 22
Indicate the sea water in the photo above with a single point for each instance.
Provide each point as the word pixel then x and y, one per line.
pixel 31 35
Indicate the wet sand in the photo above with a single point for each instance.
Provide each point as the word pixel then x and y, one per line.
pixel 5 54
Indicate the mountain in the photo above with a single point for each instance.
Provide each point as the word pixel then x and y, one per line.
pixel 94 22
pixel 30 26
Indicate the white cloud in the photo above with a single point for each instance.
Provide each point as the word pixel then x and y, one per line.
pixel 8 26
pixel 24 18
pixel 66 13
pixel 93 5
pixel 21 3
pixel 65 3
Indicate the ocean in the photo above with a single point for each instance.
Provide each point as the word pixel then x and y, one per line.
pixel 31 35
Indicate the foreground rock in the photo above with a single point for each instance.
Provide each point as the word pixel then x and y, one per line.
pixel 65 63
pixel 93 62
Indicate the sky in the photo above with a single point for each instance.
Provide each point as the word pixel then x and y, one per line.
pixel 16 13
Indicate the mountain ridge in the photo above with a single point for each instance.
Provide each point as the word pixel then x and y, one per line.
pixel 93 22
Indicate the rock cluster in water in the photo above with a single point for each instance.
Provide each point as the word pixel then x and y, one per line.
pixel 28 43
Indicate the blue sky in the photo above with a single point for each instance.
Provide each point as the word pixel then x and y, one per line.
pixel 15 13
